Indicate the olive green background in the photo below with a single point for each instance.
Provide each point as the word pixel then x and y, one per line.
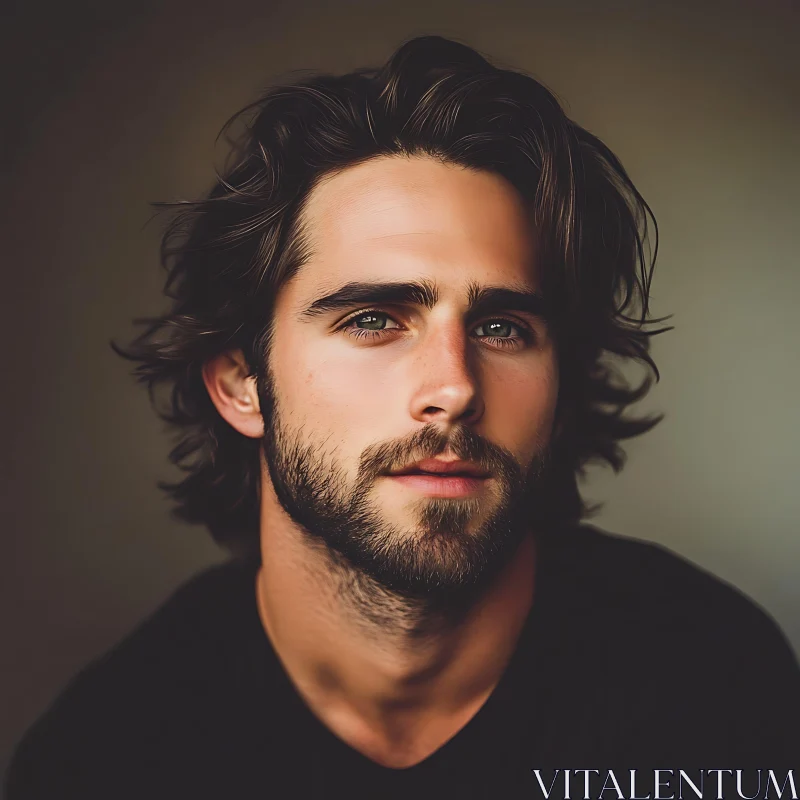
pixel 109 106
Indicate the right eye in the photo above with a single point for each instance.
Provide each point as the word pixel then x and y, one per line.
pixel 370 324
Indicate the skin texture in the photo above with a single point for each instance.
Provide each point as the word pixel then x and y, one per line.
pixel 394 612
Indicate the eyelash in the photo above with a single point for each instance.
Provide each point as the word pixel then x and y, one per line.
pixel 506 342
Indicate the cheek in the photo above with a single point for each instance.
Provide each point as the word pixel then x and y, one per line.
pixel 523 410
pixel 333 394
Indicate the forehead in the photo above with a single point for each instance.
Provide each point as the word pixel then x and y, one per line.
pixel 397 217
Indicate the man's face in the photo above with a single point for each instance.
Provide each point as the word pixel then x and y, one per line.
pixel 368 377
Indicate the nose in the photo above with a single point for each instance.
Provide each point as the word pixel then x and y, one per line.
pixel 444 373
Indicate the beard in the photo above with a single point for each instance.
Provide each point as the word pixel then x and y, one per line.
pixel 456 546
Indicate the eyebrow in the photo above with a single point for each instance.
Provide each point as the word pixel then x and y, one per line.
pixel 482 300
pixel 490 299
pixel 421 293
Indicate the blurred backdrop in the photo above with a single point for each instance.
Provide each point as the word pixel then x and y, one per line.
pixel 108 106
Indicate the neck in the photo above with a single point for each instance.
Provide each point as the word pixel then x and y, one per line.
pixel 354 651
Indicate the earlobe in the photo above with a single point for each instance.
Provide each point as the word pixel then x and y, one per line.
pixel 233 392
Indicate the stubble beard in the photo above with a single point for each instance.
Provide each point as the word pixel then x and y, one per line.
pixel 442 563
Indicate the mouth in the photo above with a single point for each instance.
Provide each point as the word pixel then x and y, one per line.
pixel 442 469
pixel 437 478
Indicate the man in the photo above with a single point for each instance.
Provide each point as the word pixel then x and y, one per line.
pixel 387 361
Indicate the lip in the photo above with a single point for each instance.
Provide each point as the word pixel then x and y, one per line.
pixel 442 485
pixel 454 468
pixel 436 477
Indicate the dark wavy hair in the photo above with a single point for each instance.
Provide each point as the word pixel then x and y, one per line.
pixel 228 253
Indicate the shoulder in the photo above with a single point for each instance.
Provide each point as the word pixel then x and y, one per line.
pixel 196 618
pixel 130 698
pixel 641 582
pixel 679 644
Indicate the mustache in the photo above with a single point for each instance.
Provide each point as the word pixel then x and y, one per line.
pixel 429 442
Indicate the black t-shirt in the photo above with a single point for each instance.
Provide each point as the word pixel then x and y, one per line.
pixel 631 658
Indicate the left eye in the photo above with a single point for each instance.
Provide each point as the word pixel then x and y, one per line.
pixel 497 327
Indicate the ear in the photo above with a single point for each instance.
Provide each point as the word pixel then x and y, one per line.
pixel 233 392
